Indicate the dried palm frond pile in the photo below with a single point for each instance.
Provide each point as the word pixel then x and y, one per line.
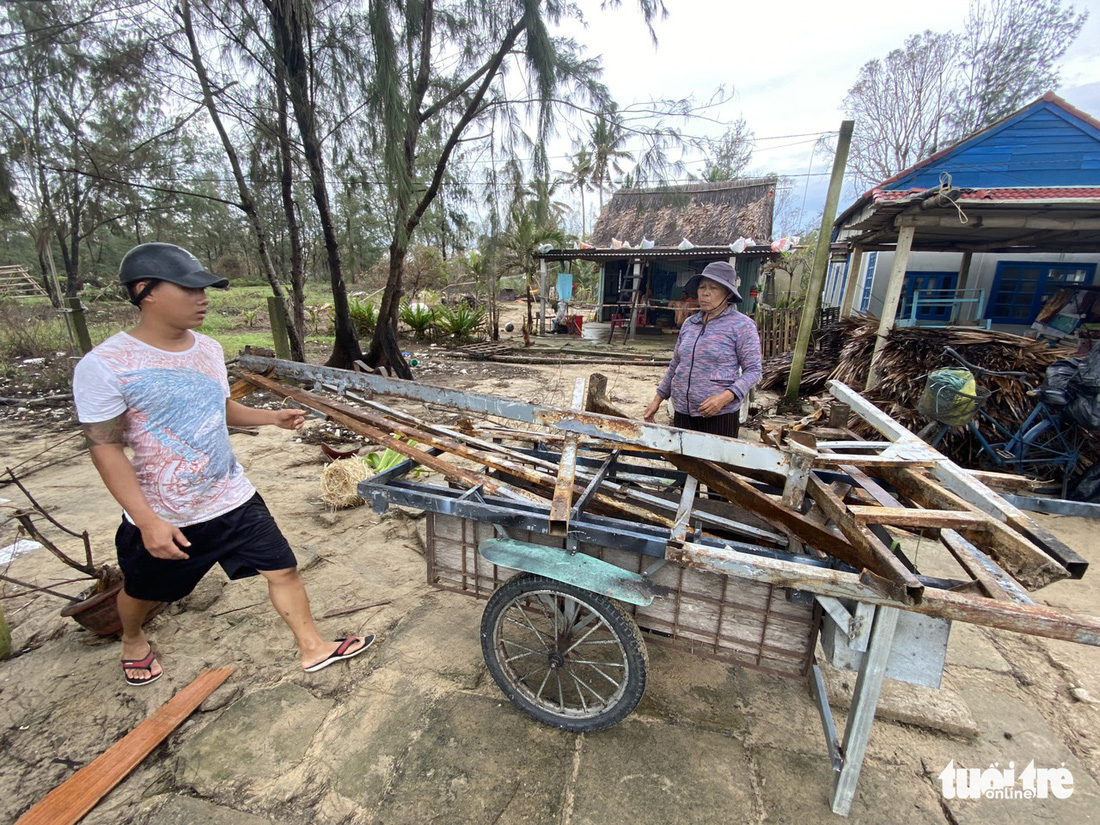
pixel 910 354
pixel 820 363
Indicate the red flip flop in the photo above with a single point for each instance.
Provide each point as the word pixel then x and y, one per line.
pixel 344 651
pixel 145 664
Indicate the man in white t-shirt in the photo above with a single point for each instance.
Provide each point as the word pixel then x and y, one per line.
pixel 161 390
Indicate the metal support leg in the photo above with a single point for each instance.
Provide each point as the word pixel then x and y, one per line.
pixel 862 713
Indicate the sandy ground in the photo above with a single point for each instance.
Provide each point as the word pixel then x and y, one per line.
pixel 416 731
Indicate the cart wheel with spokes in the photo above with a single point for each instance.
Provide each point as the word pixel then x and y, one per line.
pixel 570 658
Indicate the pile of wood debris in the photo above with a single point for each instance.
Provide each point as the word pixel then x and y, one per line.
pixel 838 500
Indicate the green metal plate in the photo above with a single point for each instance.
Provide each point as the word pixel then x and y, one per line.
pixel 580 570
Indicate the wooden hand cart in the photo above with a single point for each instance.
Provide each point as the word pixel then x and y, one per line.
pixel 595 539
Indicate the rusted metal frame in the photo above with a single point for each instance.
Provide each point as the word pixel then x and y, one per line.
pixel 747 454
pixel 562 501
pixel 1027 563
pixel 683 512
pixel 594 483
pixel 964 484
pixel 1033 620
pixel 878 557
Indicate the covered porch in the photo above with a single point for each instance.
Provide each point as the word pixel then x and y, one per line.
pixel 1025 221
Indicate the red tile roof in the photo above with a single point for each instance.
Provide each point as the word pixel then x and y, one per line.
pixel 1028 193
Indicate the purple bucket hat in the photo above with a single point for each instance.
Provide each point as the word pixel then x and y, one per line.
pixel 720 272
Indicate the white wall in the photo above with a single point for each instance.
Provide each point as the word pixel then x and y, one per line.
pixel 983 268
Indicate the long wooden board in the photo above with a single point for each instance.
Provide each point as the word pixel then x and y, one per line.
pixel 72 799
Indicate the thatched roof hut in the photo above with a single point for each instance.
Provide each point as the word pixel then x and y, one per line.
pixel 704 213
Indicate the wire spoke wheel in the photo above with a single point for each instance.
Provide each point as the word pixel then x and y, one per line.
pixel 568 657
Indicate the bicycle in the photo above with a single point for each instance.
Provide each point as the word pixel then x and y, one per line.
pixel 1045 441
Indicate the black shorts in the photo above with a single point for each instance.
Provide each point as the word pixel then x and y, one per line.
pixel 243 541
pixel 727 425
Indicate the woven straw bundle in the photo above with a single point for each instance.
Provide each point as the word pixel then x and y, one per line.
pixel 339 482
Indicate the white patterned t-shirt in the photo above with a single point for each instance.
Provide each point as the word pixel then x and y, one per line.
pixel 174 405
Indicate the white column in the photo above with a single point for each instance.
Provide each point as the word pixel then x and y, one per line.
pixel 893 298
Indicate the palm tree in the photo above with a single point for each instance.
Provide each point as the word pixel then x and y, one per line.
pixel 580 178
pixel 606 135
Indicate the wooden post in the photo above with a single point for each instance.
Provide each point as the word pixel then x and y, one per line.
pixel 635 286
pixel 80 325
pixel 542 296
pixel 893 298
pixel 821 262
pixel 278 327
pixel 854 264
pixel 964 278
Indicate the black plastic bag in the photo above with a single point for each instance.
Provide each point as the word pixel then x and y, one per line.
pixel 1083 389
pixel 1086 487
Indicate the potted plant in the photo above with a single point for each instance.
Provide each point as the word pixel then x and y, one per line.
pixel 96 607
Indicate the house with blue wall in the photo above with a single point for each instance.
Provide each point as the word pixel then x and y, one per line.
pixel 980 233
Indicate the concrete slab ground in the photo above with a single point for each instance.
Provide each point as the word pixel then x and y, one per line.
pixel 416 731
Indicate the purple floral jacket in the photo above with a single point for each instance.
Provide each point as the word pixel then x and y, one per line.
pixel 723 354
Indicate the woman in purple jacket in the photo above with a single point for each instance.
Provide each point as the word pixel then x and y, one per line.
pixel 717 358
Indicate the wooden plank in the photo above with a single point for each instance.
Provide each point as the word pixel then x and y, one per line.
pixel 1027 563
pixel 742 493
pixel 72 799
pixel 992 579
pixel 876 490
pixel 347 417
pixel 965 485
pixel 906 585
pixel 562 501
pixel 1034 620
pixel 907 517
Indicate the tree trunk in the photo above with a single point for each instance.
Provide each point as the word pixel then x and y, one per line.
pixel 290 42
pixel 294 325
pixel 384 348
pixel 297 269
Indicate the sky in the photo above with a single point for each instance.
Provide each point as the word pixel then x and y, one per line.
pixel 789 71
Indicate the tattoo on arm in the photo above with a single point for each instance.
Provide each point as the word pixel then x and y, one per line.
pixel 105 432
